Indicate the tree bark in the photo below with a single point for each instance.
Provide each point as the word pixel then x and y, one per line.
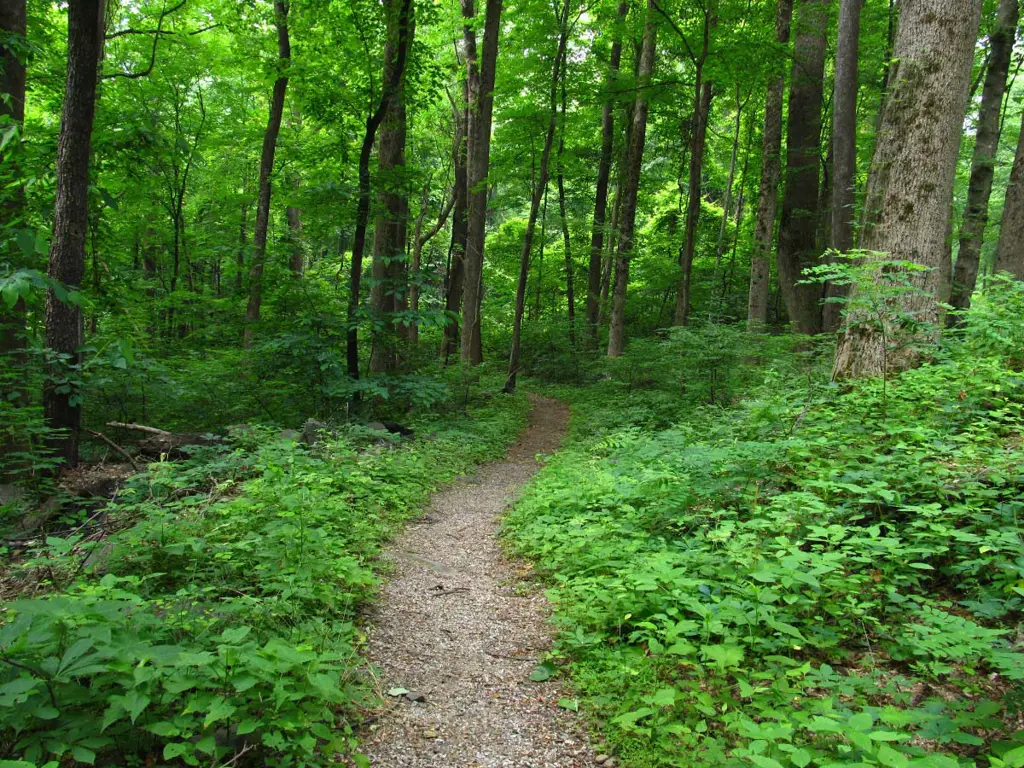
pixel 702 109
pixel 986 144
pixel 481 72
pixel 390 230
pixel 844 144
pixel 61 400
pixel 296 261
pixel 631 185
pixel 604 166
pixel 768 193
pixel 1010 251
pixel 910 188
pixel 456 274
pixel 570 289
pixel 373 121
pixel 797 229
pixel 259 237
pixel 538 192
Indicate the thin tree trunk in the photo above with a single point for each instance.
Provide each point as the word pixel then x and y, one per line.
pixel 570 292
pixel 768 194
pixel 604 166
pixel 1010 250
pixel 797 228
pixel 296 262
pixel 538 192
pixel 694 198
pixel 388 90
pixel 631 185
pixel 259 238
pixel 910 189
pixel 481 72
pixel 390 230
pixel 986 144
pixel 727 203
pixel 456 274
pixel 71 218
pixel 608 260
pixel 844 146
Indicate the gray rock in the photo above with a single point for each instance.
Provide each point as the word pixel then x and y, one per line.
pixel 311 431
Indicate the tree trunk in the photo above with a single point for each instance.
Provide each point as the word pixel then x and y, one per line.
pixel 604 166
pixel 296 261
pixel 631 185
pixel 768 193
pixel 844 145
pixel 259 237
pixel 797 229
pixel 481 72
pixel 538 192
pixel 61 401
pixel 694 197
pixel 456 274
pixel 727 203
pixel 388 90
pixel 907 207
pixel 986 143
pixel 390 269
pixel 1010 251
pixel 570 289
pixel 608 260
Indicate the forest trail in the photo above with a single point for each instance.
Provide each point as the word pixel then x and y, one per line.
pixel 456 626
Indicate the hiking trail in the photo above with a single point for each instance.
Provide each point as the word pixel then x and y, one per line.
pixel 457 627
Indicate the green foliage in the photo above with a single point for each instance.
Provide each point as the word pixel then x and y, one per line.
pixel 800 577
pixel 222 617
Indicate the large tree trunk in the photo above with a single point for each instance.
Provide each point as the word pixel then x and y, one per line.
pixel 70 221
pixel 844 144
pixel 456 273
pixel 986 143
pixel 388 89
pixel 604 167
pixel 570 291
pixel 701 111
pixel 768 194
pixel 481 71
pixel 631 185
pixel 259 237
pixel 907 207
pixel 390 270
pixel 720 245
pixel 1010 251
pixel 797 229
pixel 539 190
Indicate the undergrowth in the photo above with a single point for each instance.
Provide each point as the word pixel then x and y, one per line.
pixel 789 572
pixel 222 618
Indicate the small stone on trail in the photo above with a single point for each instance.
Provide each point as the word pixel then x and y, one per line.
pixel 601 759
pixel 431 734
pixel 413 696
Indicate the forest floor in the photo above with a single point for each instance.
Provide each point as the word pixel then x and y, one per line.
pixel 458 632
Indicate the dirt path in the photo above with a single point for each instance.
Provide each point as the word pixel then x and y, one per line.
pixel 456 627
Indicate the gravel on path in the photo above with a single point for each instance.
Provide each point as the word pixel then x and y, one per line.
pixel 458 628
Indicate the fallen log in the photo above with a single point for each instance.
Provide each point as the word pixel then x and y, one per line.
pixel 161 442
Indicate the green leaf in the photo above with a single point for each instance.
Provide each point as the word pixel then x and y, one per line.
pixel 176 749
pixel 83 754
pixel 890 758
pixel 543 672
pixel 397 691
pixel 764 762
pixel 800 758
pixel 1014 758
pixel 573 705
pixel 862 721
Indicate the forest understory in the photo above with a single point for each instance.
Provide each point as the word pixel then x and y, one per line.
pixel 511 383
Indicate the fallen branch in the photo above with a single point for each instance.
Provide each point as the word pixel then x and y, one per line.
pixel 449 591
pixel 115 446
pixel 138 427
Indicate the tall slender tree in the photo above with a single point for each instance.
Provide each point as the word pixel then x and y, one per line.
pixel 910 188
pixel 481 70
pixel 539 190
pixel 388 90
pixel 844 142
pixel 61 402
pixel 986 142
pixel 388 294
pixel 768 194
pixel 797 228
pixel 259 237
pixel 457 268
pixel 631 183
pixel 604 167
